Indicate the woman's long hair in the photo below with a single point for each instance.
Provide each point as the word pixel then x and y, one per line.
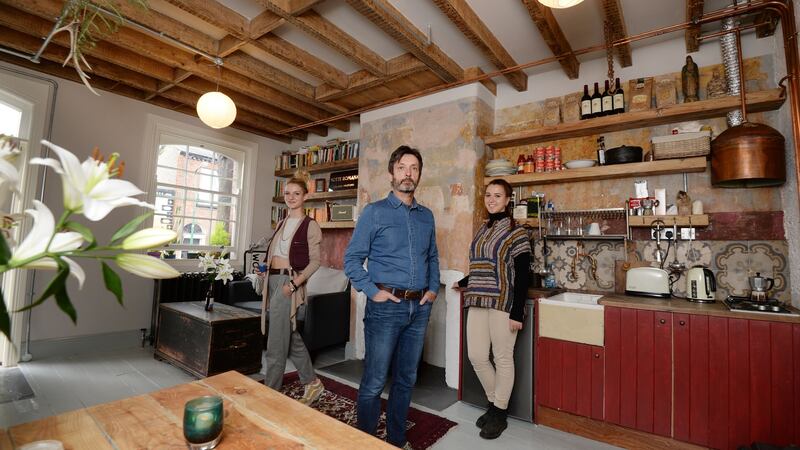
pixel 508 190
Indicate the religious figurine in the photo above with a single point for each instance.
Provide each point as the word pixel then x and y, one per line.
pixel 690 81
pixel 717 86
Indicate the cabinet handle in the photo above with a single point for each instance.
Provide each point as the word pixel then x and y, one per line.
pixel 662 321
pixel 682 322
pixel 597 355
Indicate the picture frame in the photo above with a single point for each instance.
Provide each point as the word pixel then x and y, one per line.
pixel 320 185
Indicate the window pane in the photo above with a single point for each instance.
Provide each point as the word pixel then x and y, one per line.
pixel 10 120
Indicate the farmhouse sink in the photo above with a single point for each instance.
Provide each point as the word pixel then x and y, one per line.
pixel 572 317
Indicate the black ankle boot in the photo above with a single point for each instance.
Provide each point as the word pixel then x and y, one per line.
pixel 483 418
pixel 495 424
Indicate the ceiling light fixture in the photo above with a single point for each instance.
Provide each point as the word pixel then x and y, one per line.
pixel 216 109
pixel 559 4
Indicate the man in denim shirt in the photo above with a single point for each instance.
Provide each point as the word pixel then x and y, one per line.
pixel 397 237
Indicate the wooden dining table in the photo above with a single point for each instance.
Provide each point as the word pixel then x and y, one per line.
pixel 256 417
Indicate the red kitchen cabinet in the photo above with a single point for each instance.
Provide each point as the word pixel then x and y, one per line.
pixel 638 369
pixel 570 377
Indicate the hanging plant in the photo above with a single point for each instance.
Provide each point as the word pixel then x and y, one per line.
pixel 87 22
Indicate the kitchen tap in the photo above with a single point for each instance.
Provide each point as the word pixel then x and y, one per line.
pixel 578 255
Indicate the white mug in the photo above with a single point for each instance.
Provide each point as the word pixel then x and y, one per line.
pixel 594 229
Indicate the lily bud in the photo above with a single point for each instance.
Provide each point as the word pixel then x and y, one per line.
pixel 148 238
pixel 145 266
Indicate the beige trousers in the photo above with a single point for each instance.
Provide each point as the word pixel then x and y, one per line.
pixel 488 328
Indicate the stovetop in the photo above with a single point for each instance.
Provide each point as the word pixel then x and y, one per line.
pixel 771 306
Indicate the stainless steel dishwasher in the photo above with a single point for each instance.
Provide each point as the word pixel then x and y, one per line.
pixel 521 403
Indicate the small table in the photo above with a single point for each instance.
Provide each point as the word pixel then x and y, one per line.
pixel 255 417
pixel 206 343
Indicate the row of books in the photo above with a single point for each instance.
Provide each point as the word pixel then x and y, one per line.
pixel 320 214
pixel 333 150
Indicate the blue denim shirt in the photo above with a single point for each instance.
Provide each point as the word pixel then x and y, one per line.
pixel 399 244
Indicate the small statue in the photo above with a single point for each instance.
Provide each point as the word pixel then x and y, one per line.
pixel 684 203
pixel 690 81
pixel 717 86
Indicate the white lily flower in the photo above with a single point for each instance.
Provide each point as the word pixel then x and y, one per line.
pixel 148 238
pixel 35 243
pixel 88 186
pixel 224 271
pixel 206 261
pixel 145 266
pixel 8 171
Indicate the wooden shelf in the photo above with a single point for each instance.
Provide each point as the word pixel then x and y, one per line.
pixel 320 196
pixel 586 237
pixel 332 225
pixel 697 220
pixel 530 221
pixel 662 167
pixel 756 101
pixel 324 167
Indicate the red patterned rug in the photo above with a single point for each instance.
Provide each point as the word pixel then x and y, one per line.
pixel 339 401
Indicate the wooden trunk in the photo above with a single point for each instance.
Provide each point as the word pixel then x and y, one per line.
pixel 206 343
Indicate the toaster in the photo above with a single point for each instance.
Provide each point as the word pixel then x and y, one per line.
pixel 648 282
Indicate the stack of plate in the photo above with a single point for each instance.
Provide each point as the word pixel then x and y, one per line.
pixel 499 167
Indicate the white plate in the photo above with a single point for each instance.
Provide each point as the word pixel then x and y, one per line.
pixel 579 163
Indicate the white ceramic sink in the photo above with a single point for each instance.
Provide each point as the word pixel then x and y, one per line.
pixel 574 299
pixel 573 317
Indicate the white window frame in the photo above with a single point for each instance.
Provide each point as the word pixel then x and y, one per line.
pixel 157 127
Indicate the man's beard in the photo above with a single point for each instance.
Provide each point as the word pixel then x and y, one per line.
pixel 406 185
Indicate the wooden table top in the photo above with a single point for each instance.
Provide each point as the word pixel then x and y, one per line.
pixel 220 313
pixel 256 417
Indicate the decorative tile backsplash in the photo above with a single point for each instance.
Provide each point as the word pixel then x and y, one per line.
pixel 731 261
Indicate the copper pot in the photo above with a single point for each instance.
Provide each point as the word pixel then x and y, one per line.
pixel 748 155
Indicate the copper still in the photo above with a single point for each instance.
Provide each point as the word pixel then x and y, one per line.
pixel 747 155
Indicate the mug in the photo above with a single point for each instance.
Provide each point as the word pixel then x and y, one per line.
pixel 594 229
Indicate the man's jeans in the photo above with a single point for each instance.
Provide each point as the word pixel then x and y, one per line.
pixel 394 334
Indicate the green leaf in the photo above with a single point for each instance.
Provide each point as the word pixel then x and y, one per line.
pixel 56 285
pixel 5 318
pixel 64 303
pixel 129 227
pixel 113 282
pixel 84 231
pixel 5 252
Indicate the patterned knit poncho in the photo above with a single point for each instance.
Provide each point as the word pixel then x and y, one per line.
pixel 491 265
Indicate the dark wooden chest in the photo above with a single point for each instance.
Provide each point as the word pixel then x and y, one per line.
pixel 206 343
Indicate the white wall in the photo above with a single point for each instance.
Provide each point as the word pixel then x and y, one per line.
pixel 117 124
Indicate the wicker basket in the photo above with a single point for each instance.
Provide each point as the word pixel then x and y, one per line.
pixel 684 145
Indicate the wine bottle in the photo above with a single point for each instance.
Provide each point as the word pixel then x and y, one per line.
pixel 619 98
pixel 586 103
pixel 597 102
pixel 608 101
pixel 601 151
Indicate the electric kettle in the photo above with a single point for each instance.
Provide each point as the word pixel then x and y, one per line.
pixel 701 286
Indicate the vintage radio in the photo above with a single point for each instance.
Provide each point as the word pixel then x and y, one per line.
pixel 341 213
pixel 346 179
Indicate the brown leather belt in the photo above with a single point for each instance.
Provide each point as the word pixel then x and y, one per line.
pixel 405 294
pixel 280 271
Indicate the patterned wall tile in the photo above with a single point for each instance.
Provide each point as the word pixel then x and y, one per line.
pixel 769 258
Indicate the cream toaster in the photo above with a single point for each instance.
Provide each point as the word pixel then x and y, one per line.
pixel 648 282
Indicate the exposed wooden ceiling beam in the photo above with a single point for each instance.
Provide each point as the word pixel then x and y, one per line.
pixel 216 14
pixel 398 67
pixel 264 23
pixel 460 13
pixel 295 7
pixel 390 20
pixel 315 25
pixel 477 71
pixel 163 53
pixel 612 11
pixel 291 54
pixel 694 9
pixel 553 36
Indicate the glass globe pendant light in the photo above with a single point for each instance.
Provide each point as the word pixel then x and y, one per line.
pixel 216 109
pixel 559 4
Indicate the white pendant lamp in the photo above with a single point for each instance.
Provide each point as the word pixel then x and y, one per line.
pixel 559 4
pixel 216 109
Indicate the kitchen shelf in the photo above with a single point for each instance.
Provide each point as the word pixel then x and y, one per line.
pixel 530 221
pixel 662 167
pixel 695 220
pixel 318 168
pixel 766 100
pixel 319 196
pixel 586 237
pixel 340 225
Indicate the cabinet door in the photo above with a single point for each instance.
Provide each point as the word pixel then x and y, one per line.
pixel 570 377
pixel 691 372
pixel 590 364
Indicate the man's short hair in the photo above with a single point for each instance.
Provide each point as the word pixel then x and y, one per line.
pixel 402 151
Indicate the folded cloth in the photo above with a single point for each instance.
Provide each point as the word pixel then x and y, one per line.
pixel 256 281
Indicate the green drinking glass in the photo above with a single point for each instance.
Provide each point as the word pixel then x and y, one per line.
pixel 202 422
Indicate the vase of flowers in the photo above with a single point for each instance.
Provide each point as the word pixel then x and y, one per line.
pixel 217 267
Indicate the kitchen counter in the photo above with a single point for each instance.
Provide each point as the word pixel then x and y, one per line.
pixel 675 305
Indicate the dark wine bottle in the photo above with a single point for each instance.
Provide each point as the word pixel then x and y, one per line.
pixel 597 102
pixel 586 103
pixel 608 101
pixel 619 99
